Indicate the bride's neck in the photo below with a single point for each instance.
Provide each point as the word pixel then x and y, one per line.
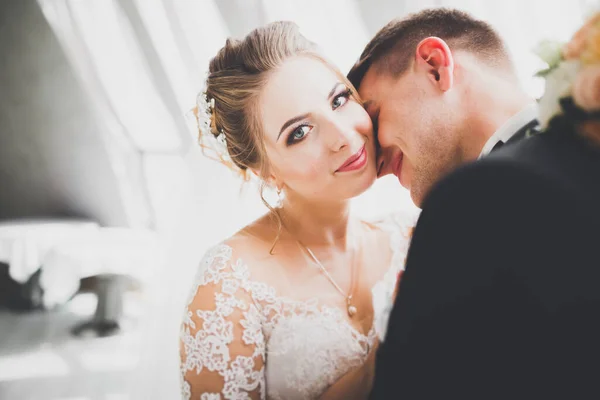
pixel 316 223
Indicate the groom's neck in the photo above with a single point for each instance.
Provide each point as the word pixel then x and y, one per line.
pixel 492 107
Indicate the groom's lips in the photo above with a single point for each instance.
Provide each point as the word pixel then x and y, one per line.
pixel 390 162
pixel 379 168
pixel 397 167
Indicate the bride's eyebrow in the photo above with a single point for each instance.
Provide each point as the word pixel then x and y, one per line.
pixel 291 121
pixel 334 89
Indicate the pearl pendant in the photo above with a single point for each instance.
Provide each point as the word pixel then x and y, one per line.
pixel 351 310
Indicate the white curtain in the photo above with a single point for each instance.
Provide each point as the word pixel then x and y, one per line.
pixel 144 61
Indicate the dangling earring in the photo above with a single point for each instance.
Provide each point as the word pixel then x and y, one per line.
pixel 279 202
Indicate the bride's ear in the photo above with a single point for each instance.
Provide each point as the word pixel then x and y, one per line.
pixel 433 56
pixel 255 172
pixel 272 180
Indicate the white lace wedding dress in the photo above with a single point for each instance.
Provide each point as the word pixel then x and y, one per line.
pixel 257 343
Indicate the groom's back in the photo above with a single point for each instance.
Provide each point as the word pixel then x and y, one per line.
pixel 551 318
pixel 557 280
pixel 566 160
pixel 501 294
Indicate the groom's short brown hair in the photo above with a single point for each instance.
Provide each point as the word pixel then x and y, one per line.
pixel 392 49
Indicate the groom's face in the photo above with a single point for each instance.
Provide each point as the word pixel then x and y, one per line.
pixel 416 127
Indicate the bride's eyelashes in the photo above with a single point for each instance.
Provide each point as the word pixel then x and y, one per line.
pixel 298 134
pixel 341 99
pixel 301 131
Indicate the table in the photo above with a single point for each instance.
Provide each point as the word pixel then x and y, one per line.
pixel 112 256
pixel 25 242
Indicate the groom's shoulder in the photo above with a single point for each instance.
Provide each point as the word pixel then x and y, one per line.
pixel 561 157
pixel 552 163
pixel 528 159
pixel 530 152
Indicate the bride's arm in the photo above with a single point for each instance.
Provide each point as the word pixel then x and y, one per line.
pixel 222 347
pixel 356 384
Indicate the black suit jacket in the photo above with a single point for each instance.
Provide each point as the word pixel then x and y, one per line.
pixel 501 294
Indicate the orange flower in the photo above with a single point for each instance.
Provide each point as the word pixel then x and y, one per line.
pixel 586 88
pixel 586 40
pixel 591 53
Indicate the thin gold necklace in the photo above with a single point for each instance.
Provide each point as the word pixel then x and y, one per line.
pixel 350 308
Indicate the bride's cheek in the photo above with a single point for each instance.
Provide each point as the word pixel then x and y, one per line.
pixel 361 121
pixel 314 169
pixel 307 175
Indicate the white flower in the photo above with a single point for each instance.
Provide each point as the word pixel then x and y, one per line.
pixel 204 116
pixel 559 84
pixel 549 51
pixel 204 113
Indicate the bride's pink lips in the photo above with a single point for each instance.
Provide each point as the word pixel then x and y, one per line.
pixel 355 161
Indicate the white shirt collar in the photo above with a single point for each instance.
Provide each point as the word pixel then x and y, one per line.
pixel 510 127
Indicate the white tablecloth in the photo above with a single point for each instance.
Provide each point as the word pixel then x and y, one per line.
pixel 69 250
pixel 25 243
pixel 134 253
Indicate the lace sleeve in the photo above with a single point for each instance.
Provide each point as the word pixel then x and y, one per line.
pixel 222 346
pixel 399 226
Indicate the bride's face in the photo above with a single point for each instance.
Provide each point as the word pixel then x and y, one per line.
pixel 319 139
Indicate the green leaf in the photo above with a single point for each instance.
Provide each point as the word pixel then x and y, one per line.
pixel 545 72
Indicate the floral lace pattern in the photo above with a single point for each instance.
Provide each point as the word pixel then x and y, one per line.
pixel 309 346
pixel 383 291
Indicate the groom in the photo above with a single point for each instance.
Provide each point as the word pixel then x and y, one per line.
pixel 501 294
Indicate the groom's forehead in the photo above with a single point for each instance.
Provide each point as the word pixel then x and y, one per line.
pixel 373 90
pixel 373 86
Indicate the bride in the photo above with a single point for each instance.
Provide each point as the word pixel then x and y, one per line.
pixel 283 308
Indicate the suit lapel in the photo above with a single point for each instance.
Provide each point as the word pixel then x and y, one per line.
pixel 526 131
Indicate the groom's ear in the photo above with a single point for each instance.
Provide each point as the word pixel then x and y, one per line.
pixel 434 57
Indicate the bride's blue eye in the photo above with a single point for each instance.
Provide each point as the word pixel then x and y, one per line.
pixel 341 99
pixel 298 134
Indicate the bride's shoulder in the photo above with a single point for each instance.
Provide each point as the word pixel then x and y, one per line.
pixel 225 269
pixel 244 250
pixel 393 224
pixel 389 237
pixel 245 240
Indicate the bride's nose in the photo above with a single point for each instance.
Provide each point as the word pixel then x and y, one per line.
pixel 339 135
